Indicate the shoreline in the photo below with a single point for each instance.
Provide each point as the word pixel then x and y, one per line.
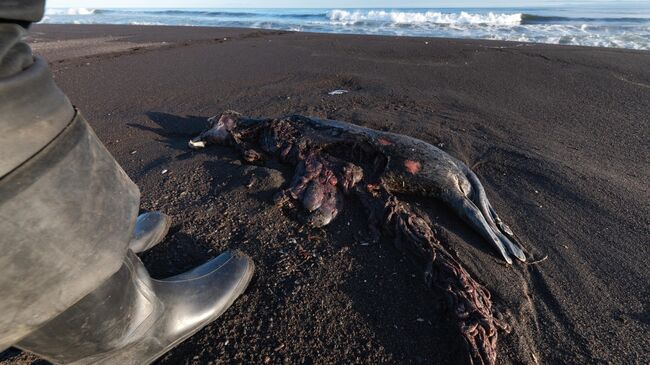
pixel 511 43
pixel 557 134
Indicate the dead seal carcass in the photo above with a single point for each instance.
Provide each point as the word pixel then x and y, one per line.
pixel 332 157
pixel 399 163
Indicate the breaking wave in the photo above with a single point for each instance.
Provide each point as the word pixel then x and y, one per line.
pixel 72 11
pixel 603 27
pixel 430 17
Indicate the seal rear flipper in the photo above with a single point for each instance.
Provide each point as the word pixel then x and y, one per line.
pixel 506 235
pixel 513 247
pixel 472 215
pixel 503 232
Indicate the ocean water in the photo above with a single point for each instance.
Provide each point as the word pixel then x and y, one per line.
pixel 619 24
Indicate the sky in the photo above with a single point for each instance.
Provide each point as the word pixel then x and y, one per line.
pixel 301 3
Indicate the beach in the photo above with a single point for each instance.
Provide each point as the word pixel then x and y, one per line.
pixel 559 136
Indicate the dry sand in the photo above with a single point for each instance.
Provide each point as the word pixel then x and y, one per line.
pixel 558 135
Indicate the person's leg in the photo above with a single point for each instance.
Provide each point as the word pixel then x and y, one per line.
pixel 67 216
pixel 66 207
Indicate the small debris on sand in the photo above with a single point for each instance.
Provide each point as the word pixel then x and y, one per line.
pixel 338 92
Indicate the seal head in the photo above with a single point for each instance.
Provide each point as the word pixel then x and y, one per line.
pixel 220 131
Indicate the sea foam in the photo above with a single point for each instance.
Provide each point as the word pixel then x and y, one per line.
pixel 70 11
pixel 432 17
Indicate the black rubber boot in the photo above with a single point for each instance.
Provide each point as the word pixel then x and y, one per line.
pixel 133 319
pixel 150 229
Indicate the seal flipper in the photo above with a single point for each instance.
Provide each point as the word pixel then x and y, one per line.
pixel 513 247
pixel 498 226
pixel 467 210
pixel 507 236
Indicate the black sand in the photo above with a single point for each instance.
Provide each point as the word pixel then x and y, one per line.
pixel 559 136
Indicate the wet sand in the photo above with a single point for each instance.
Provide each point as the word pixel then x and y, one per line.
pixel 558 135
